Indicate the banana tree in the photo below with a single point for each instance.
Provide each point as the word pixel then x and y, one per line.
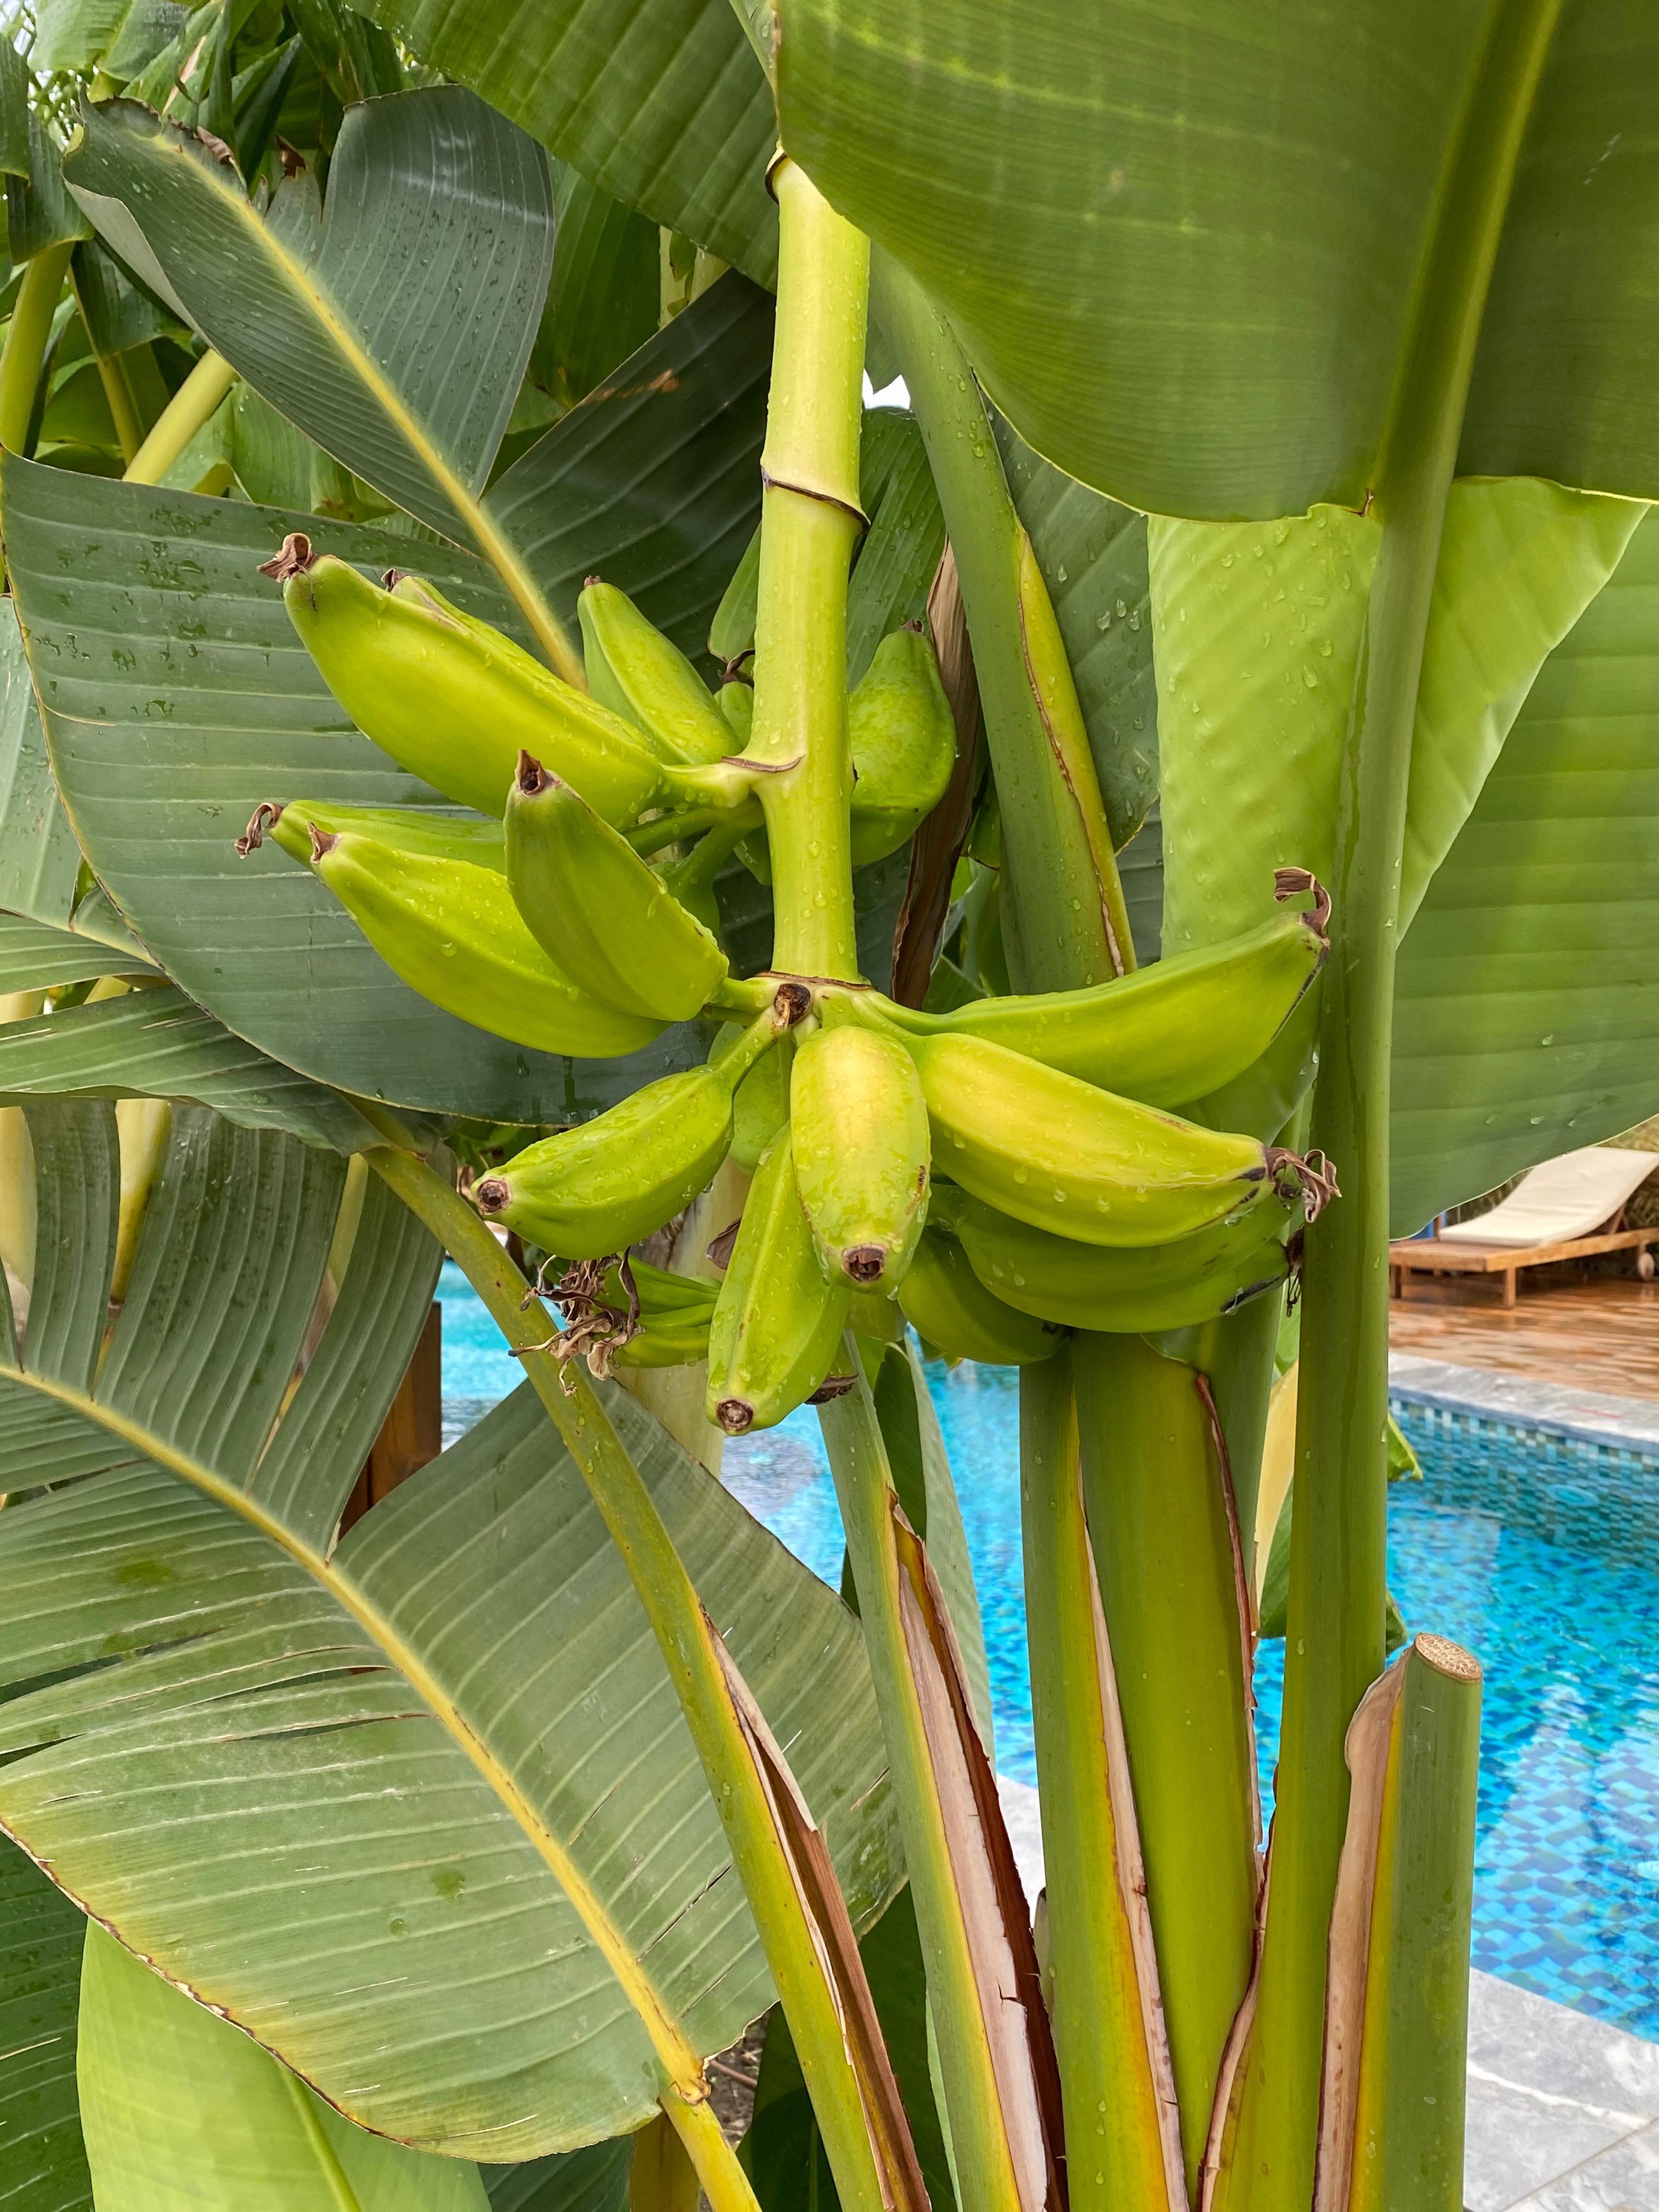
pixel 1287 423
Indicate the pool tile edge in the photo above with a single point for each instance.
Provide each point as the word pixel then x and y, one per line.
pixel 1518 1402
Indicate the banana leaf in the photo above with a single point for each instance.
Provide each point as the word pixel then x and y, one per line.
pixel 418 1808
pixel 77 35
pixel 394 327
pixel 177 2108
pixel 159 1044
pixel 675 119
pixel 603 295
pixel 1197 235
pixel 43 2167
pixel 1523 1022
pixel 591 2180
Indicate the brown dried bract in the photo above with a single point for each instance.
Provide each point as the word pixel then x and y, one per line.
pixel 264 817
pixel 295 559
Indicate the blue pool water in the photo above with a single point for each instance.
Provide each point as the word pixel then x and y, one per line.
pixel 1542 1555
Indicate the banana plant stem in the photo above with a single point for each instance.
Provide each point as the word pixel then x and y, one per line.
pixel 987 2179
pixel 187 412
pixel 687 1640
pixel 810 523
pixel 1334 1644
pixel 25 347
pixel 1122 2129
pixel 1071 924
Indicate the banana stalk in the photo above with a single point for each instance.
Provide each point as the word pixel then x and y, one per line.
pixel 1334 1646
pixel 1122 2125
pixel 810 523
pixel 996 2059
pixel 1396 2028
pixel 1176 1611
pixel 1053 823
pixel 812 1957
pixel 191 406
pixel 25 350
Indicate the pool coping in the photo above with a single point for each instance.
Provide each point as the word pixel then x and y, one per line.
pixel 1517 1401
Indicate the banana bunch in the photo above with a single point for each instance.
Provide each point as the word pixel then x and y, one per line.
pixel 991 1176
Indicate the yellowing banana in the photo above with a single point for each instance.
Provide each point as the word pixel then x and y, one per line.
pixel 633 669
pixel 951 1309
pixel 903 742
pixel 600 910
pixel 455 702
pixel 777 1323
pixel 473 838
pixel 603 1186
pixel 1165 1035
pixel 1118 1290
pixel 1084 1163
pixel 452 933
pixel 859 1131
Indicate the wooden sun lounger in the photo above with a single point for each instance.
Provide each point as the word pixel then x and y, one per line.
pixel 1433 1255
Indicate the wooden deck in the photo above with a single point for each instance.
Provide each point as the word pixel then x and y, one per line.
pixel 1587 1332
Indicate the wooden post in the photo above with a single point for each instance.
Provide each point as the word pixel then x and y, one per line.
pixel 412 1432
pixel 1509 1287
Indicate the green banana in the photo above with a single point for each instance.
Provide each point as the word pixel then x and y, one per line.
pixel 861 1139
pixel 430 829
pixel 1118 1290
pixel 1165 1035
pixel 777 1323
pixel 633 669
pixel 951 1309
pixel 451 932
pixel 667 1318
pixel 454 702
pixel 762 1105
pixel 600 911
pixel 602 1186
pixel 877 1319
pixel 1085 1164
pixel 903 741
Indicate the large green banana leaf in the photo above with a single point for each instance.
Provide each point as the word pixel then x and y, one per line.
pixel 159 1044
pixel 1183 245
pixel 1525 1021
pixel 168 730
pixel 1258 630
pixel 34 957
pixel 42 2166
pixel 604 294
pixel 394 327
pixel 418 1809
pixel 670 114
pixel 180 2110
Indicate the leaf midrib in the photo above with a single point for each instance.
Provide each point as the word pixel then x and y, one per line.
pixel 673 2050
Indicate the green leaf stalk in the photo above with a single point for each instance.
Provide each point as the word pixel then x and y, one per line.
pixel 1334 1646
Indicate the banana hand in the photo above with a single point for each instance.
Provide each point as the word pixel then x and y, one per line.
pixel 452 933
pixel 1126 1291
pixel 633 669
pixel 594 905
pixel 454 702
pixel 777 1323
pixel 1082 1163
pixel 599 1188
pixel 860 1138
pixel 762 1105
pixel 953 1312
pixel 1165 1035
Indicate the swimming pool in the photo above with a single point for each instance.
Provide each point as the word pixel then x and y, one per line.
pixel 1541 1554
